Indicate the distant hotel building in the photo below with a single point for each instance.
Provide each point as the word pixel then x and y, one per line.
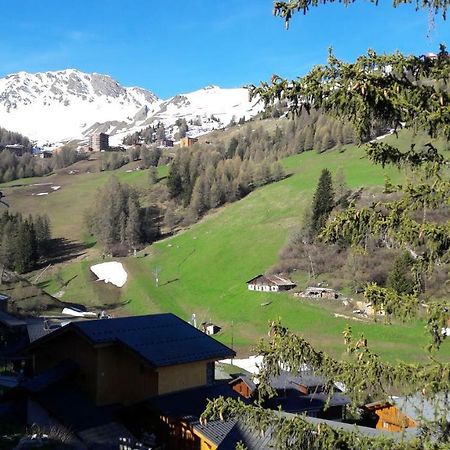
pixel 98 142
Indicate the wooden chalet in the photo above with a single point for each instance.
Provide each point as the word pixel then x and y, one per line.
pixel 269 283
pixel 403 413
pixel 126 360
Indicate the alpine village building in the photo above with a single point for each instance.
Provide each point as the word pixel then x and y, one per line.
pixel 143 382
pixel 270 283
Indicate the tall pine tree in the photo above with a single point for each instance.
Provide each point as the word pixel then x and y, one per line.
pixel 323 202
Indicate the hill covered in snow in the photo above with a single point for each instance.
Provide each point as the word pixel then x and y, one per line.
pixel 52 107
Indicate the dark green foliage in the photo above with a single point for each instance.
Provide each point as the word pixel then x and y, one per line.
pixel 152 175
pixel 148 135
pixel 206 177
pixel 323 202
pixel 150 156
pixel 10 138
pixel 286 9
pixel 66 157
pixel 401 91
pixel 113 160
pixel 23 241
pixel 182 129
pixel 117 219
pixel 400 278
pixel 13 167
pixel 365 377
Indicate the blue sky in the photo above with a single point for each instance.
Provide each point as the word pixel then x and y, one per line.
pixel 178 46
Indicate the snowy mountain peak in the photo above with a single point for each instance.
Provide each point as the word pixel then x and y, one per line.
pixel 65 104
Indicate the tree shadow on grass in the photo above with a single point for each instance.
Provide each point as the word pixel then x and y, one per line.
pixel 62 249
pixel 111 306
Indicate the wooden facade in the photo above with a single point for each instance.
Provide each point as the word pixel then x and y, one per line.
pixel 111 373
pixel 241 387
pixel 390 417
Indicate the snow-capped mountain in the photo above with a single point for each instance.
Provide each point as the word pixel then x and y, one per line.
pixel 69 104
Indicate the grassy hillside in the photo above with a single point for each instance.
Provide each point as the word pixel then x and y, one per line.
pixel 203 270
pixel 78 188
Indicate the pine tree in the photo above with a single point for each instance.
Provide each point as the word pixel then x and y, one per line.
pixel 174 181
pixel 400 278
pixel 152 175
pixel 309 138
pixel 133 227
pixel 214 196
pixel 323 201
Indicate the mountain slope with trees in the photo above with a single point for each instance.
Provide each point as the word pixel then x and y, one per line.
pixel 396 89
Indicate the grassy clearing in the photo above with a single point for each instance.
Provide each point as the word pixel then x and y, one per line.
pixel 66 206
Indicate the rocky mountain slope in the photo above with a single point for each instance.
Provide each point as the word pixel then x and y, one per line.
pixel 53 107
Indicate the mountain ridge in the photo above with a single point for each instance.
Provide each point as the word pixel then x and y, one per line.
pixel 58 106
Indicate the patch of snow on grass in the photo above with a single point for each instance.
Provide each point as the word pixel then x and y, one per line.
pixel 110 272
pixel 250 364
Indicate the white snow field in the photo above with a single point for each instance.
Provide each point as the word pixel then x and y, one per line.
pixel 110 272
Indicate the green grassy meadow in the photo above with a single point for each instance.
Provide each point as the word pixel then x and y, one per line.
pixel 203 270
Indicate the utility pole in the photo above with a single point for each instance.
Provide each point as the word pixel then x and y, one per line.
pixel 156 272
pixel 232 338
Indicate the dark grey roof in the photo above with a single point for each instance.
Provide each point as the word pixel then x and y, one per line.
pixel 309 404
pixel 160 339
pixel 10 321
pixel 365 431
pixel 51 376
pixel 242 433
pixel 418 408
pixel 190 403
pixel 35 329
pixel 287 380
pixel 216 431
pixel 105 437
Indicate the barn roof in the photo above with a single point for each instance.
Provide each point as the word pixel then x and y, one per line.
pixel 271 280
pixel 160 339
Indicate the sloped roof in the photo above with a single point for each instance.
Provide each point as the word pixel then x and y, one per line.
pixel 418 408
pixel 246 379
pixel 188 405
pixel 287 380
pixel 160 339
pixel 11 321
pixel 271 280
pixel 49 377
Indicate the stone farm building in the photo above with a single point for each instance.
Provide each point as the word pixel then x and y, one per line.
pixel 319 292
pixel 269 283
